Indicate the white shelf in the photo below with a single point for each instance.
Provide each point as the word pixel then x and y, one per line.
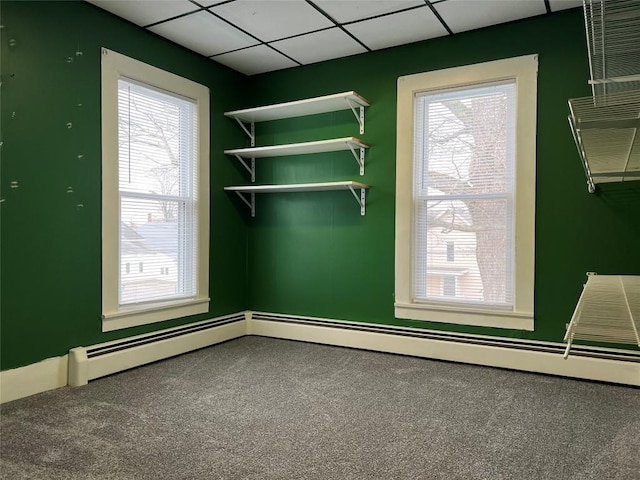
pixel 299 108
pixel 320 146
pixel 605 130
pixel 300 187
pixel 248 117
pixel 608 311
pixel 329 103
pixel 297 187
pixel 356 146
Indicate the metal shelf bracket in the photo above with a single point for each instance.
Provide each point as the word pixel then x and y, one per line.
pixel 359 157
pixel 591 186
pixel 361 199
pixel 358 112
pixel 251 203
pixel 251 131
pixel 250 168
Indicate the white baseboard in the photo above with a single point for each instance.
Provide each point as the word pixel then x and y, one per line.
pixel 352 334
pixel 113 357
pixel 35 378
pixel 77 369
pixel 606 365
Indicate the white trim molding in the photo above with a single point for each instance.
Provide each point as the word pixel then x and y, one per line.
pixel 35 378
pixel 589 363
pixel 524 71
pixel 115 66
pixel 87 363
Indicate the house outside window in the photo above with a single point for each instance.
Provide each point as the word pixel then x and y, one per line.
pixel 155 193
pixel 465 191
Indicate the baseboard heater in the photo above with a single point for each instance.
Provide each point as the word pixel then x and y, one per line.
pixel 89 363
pixel 466 339
pixel 586 362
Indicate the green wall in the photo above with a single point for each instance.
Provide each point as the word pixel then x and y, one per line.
pixel 51 246
pixel 313 254
pixel 306 254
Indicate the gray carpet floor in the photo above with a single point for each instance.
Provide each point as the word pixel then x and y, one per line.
pixel 258 408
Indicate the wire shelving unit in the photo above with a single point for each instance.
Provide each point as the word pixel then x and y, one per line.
pixel 608 311
pixel 613 41
pixel 605 125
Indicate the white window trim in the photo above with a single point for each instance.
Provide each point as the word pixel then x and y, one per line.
pixel 525 72
pixel 114 317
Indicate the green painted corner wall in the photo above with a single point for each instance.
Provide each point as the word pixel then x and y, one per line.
pixel 51 238
pixel 313 254
pixel 306 254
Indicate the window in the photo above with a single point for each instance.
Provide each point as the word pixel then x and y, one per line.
pixel 465 192
pixel 155 200
pixel 451 252
pixel 449 286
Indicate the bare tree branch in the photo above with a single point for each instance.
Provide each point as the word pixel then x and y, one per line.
pixel 450 224
pixel 448 184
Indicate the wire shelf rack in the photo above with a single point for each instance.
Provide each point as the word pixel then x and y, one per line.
pixel 613 41
pixel 608 311
pixel 605 130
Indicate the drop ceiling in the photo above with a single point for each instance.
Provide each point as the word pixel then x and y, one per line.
pixel 257 36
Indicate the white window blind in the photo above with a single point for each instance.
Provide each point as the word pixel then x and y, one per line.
pixel 463 193
pixel 157 183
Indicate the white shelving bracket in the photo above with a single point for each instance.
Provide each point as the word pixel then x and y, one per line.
pixel 358 112
pixel 626 302
pixel 361 199
pixel 249 203
pixel 251 131
pixel 568 337
pixel 250 168
pixel 591 186
pixel 359 157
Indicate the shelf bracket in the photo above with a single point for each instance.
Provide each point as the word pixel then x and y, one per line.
pixel 626 301
pixel 568 337
pixel 591 187
pixel 250 168
pixel 249 203
pixel 359 157
pixel 251 131
pixel 358 112
pixel 361 199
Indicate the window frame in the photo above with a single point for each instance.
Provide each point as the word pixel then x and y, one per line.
pixel 115 316
pixel 524 71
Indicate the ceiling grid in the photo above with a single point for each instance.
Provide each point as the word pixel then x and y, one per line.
pixel 257 36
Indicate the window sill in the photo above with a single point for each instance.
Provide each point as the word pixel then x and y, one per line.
pixel 465 316
pixel 134 316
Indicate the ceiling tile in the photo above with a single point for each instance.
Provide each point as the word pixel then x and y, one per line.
pixel 398 29
pixel 349 10
pixel 319 46
pixel 146 12
pixel 204 33
pixel 463 15
pixel 564 4
pixel 254 60
pixel 274 19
